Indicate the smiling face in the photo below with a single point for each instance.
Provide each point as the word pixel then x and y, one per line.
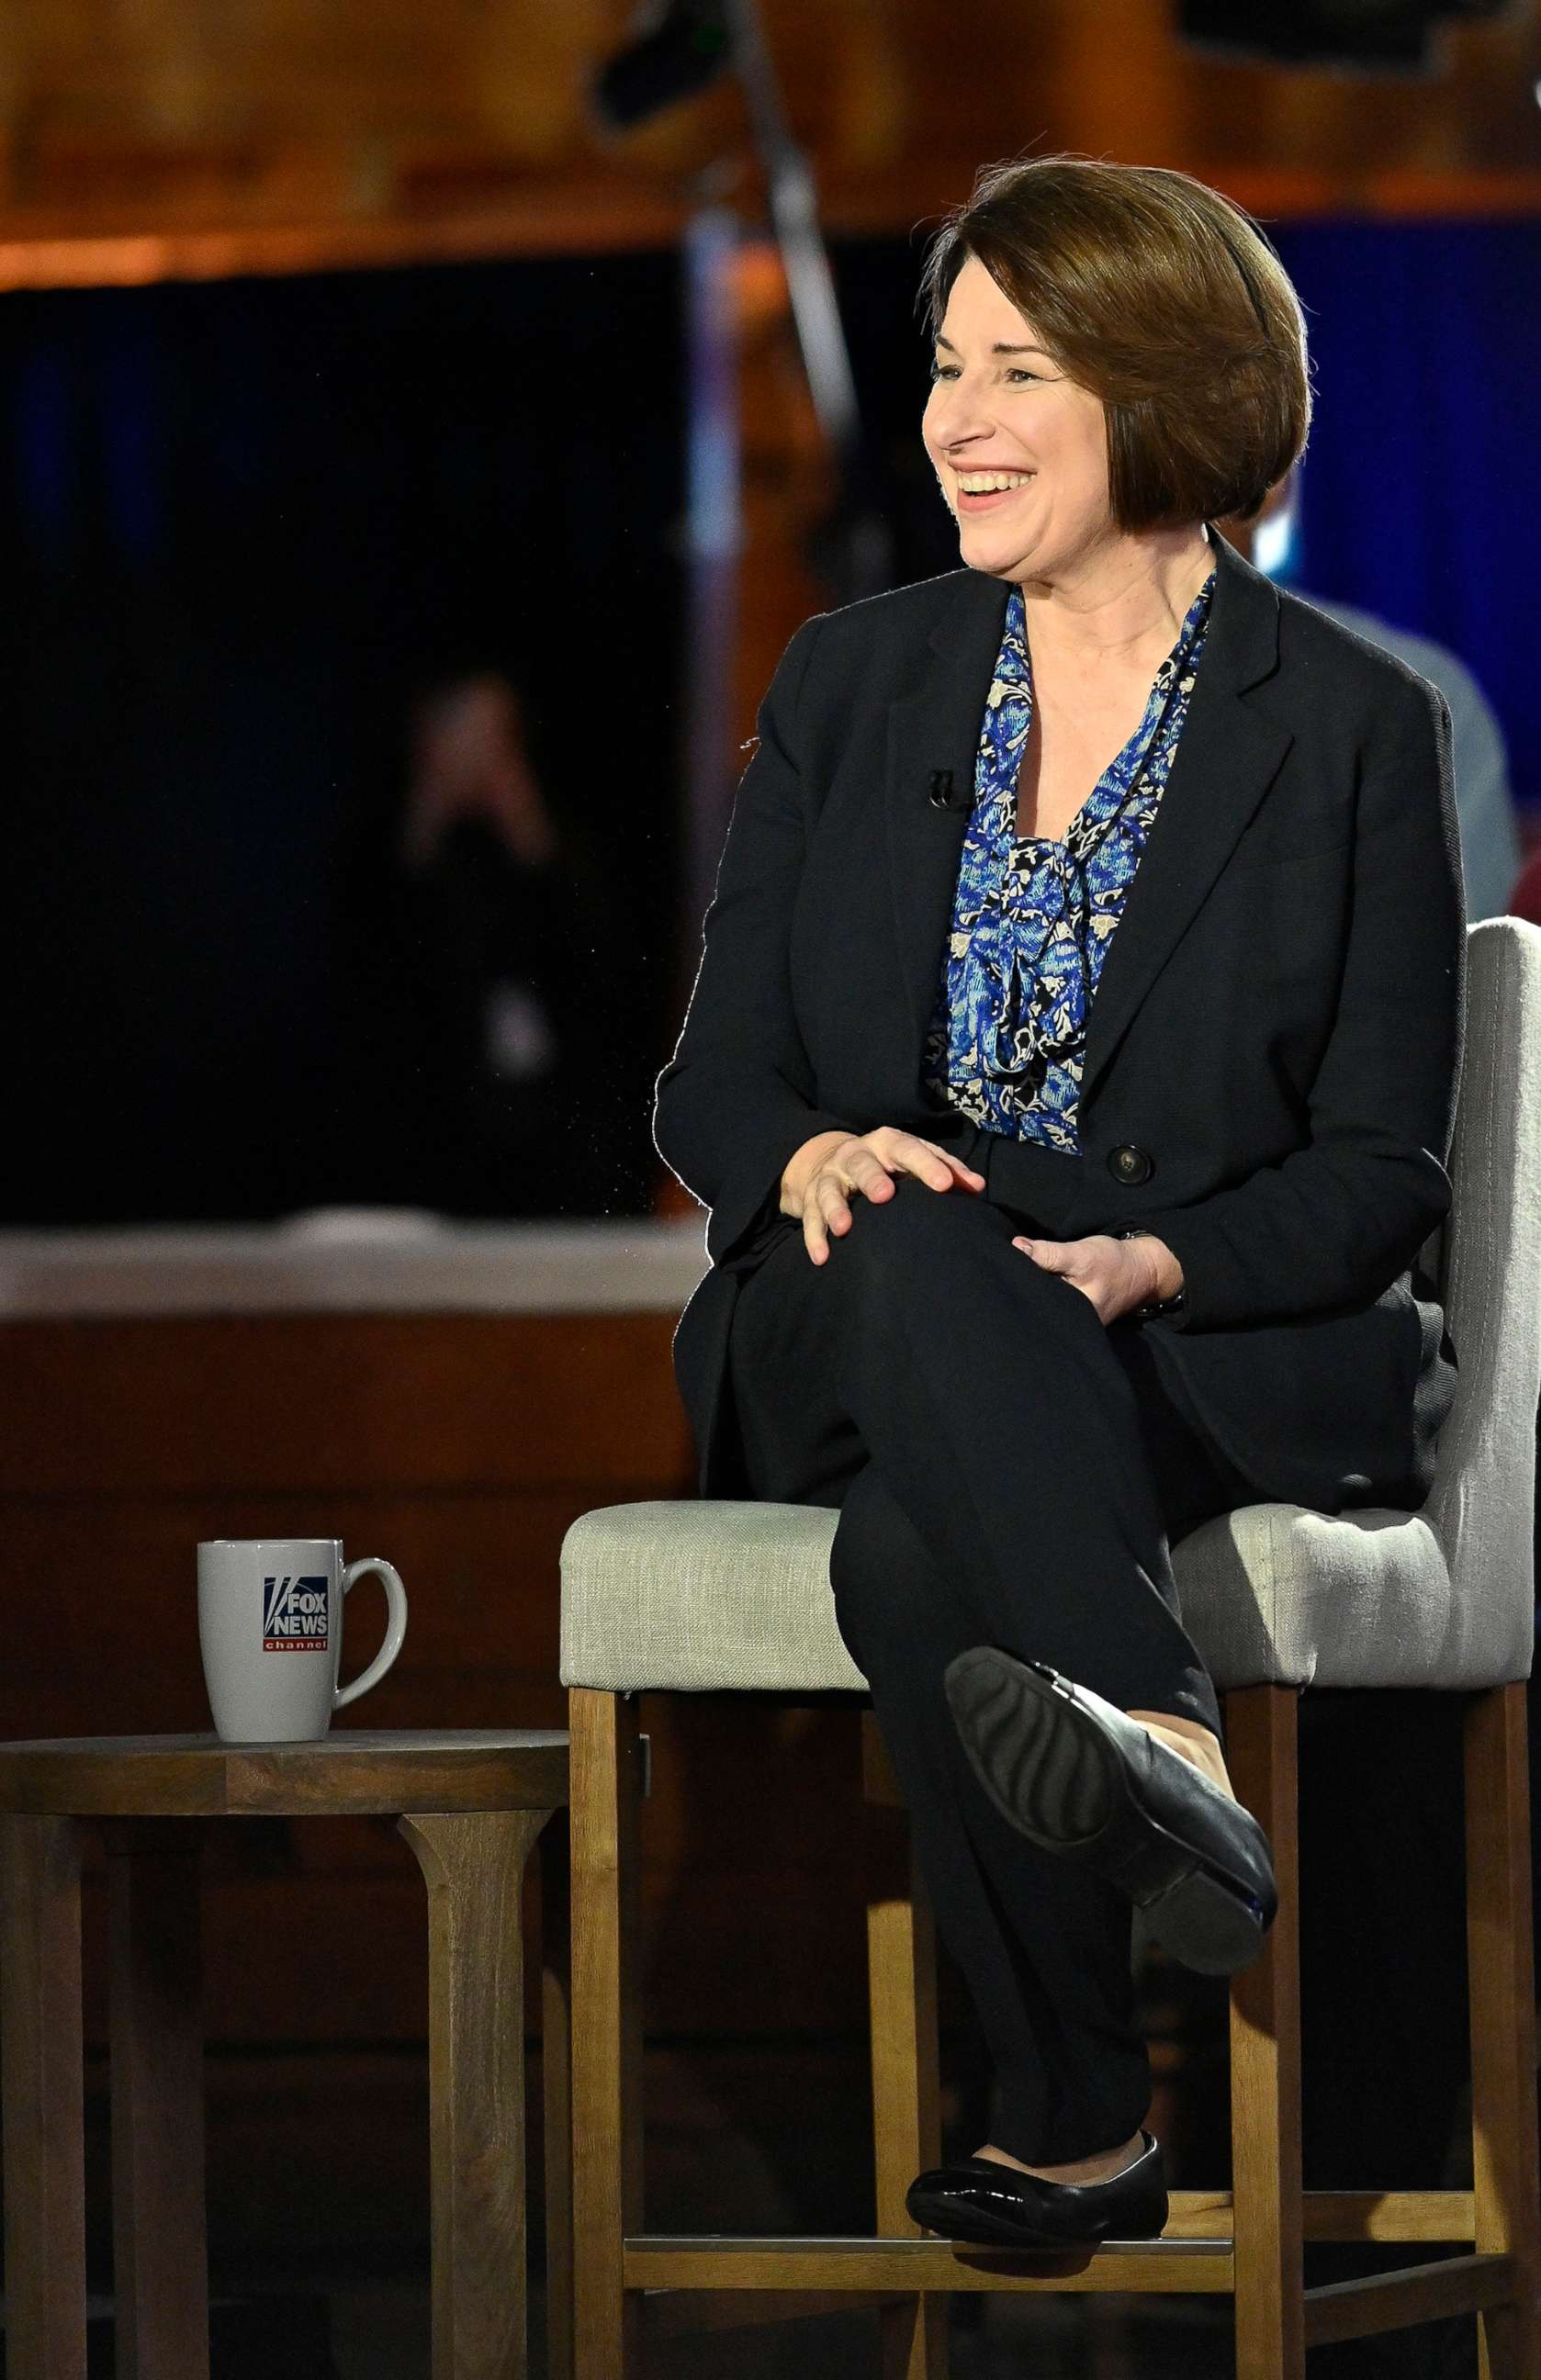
pixel 1020 451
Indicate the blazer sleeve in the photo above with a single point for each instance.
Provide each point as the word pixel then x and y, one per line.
pixel 1338 1219
pixel 736 1099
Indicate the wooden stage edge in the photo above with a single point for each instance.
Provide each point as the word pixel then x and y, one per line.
pixel 357 1260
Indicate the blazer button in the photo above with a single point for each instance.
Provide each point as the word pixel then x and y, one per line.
pixel 1130 1164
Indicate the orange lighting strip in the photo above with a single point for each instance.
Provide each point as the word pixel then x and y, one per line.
pixel 615 219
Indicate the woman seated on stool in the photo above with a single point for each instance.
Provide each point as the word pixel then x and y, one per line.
pixel 1070 1074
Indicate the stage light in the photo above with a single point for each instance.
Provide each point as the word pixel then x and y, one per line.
pixel 673 51
pixel 1393 36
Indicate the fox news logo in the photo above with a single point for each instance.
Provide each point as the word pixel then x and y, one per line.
pixel 293 1615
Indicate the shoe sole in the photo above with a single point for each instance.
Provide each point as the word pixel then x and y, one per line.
pixel 1051 1773
pixel 978 2228
pixel 981 2231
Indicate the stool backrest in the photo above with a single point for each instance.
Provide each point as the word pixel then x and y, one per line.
pixel 1482 1503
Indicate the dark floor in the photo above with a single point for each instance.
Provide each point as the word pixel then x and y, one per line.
pixel 318 2228
pixel 379 2330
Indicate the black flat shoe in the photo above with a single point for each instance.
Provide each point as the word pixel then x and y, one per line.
pixel 1081 1778
pixel 994 2206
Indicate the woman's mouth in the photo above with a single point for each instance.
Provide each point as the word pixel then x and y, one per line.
pixel 982 492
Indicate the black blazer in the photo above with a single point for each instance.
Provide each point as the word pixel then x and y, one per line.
pixel 1272 1054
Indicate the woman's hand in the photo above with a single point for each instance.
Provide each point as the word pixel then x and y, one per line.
pixel 828 1171
pixel 1117 1275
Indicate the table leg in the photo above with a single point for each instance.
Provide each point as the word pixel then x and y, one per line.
pixel 160 2250
pixel 473 1867
pixel 556 2073
pixel 43 2101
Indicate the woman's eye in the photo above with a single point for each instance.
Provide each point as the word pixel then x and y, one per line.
pixel 1014 373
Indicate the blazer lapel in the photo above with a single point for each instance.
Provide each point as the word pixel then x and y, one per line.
pixel 1228 755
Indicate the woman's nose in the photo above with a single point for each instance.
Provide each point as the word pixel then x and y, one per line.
pixel 953 415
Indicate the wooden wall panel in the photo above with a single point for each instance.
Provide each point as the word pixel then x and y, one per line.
pixel 337 124
pixel 326 1404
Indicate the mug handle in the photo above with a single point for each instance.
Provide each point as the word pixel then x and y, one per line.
pixel 396 1627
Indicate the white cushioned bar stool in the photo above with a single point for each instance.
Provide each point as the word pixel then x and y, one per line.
pixel 723 1597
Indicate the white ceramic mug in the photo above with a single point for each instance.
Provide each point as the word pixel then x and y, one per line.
pixel 270 1623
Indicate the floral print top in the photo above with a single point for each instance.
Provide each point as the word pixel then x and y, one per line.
pixel 1032 919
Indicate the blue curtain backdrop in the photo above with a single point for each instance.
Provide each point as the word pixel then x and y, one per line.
pixel 1420 497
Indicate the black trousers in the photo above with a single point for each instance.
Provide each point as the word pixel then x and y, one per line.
pixel 1008 1470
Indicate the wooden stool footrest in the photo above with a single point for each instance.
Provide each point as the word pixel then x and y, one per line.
pixel 1420 2293
pixel 711 2262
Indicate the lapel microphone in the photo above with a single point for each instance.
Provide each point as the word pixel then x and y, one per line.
pixel 942 794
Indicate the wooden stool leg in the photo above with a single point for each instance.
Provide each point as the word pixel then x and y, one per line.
pixel 474 1869
pixel 1503 2021
pixel 1265 2056
pixel 607 2031
pixel 43 2087
pixel 901 1967
pixel 556 2083
pixel 160 2251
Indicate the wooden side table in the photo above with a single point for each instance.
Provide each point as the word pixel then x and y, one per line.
pixel 472 1804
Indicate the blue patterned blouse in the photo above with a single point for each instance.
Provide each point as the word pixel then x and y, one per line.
pixel 1032 919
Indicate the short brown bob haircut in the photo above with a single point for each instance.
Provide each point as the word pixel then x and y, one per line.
pixel 1165 300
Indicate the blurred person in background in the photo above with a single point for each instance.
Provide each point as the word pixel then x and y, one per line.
pixel 479 854
pixel 1489 827
pixel 483 1022
pixel 1525 901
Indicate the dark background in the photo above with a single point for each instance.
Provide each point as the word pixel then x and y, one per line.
pixel 245 524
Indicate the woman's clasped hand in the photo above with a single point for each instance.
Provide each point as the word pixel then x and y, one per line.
pixel 828 1172
pixel 1116 1275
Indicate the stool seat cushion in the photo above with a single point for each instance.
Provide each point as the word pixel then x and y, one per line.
pixel 696 1596
pixel 1279 1595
